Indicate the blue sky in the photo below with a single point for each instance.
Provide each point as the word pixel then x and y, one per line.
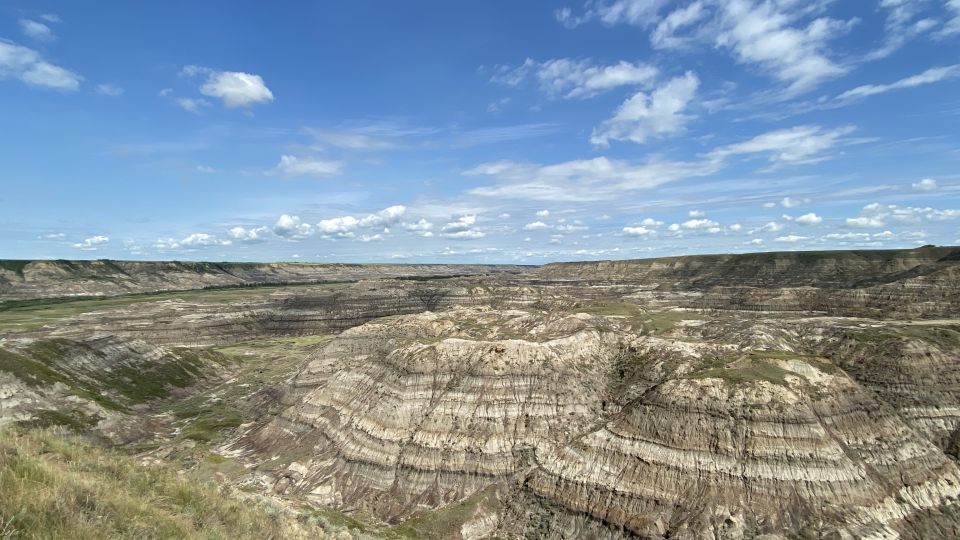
pixel 476 131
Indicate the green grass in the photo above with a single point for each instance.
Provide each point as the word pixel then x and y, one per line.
pixel 757 366
pixel 440 523
pixel 56 486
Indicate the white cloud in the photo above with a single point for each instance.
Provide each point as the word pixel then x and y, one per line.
pixel 571 78
pixel 650 222
pixel 770 226
pixel 109 90
pixel 465 235
pixel 193 241
pixel 875 214
pixel 766 35
pixel 642 116
pixel 28 65
pixel 205 169
pixel 796 145
pixel 291 226
pixel 953 25
pixel 810 219
pixel 543 213
pixel 234 88
pixel 787 202
pixel 194 105
pixel 700 224
pixel 371 237
pixel 664 36
pixel 776 37
pixel 639 230
pixel 387 216
pixel 422 226
pixel 305 166
pixel 462 228
pixel 93 243
pixel 50 17
pixel 256 234
pixel 367 138
pixel 536 226
pixel 791 238
pixel 735 227
pixel 203 239
pixel 929 76
pixel 697 213
pixel 927 184
pixel 756 242
pixel 641 13
pixel 340 226
pixel 52 236
pixel 581 180
pixel 36 30
pixel 865 222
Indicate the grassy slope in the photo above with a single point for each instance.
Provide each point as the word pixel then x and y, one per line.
pixel 55 486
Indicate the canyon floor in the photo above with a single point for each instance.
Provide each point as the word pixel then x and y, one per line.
pixel 776 396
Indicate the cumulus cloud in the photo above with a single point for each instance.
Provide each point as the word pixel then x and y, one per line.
pixel 536 226
pixel 462 228
pixel 252 235
pixel 339 226
pixel 927 184
pixel 865 221
pixel 700 224
pixel 876 215
pixel 304 166
pixel 387 216
pixel 421 228
pixel 543 213
pixel 36 30
pixel 809 219
pixel 638 230
pixel 291 227
pixel 697 213
pixel 791 238
pixel 27 65
pixel 190 242
pixel 657 114
pixel 93 243
pixel 572 78
pixel 235 88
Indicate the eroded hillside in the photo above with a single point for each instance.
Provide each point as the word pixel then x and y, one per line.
pixel 678 398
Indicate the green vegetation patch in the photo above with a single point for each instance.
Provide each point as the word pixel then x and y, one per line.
pixel 54 486
pixel 757 366
pixel 439 523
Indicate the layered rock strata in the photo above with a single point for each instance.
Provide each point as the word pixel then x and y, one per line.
pixel 617 434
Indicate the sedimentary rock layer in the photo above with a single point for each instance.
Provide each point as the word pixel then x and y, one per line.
pixel 46 279
pixel 620 434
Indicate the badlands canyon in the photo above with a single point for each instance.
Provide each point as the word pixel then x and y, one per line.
pixel 776 395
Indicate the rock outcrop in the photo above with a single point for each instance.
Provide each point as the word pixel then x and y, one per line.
pixel 60 278
pixel 609 432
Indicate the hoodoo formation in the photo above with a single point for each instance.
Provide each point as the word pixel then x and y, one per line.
pixel 775 395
